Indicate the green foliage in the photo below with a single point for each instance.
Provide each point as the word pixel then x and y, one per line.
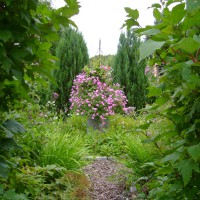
pixel 11 194
pixel 73 56
pixel 138 154
pixel 112 141
pixel 27 30
pixel 108 144
pixel 50 182
pixel 175 43
pixel 7 144
pixel 128 71
pixel 64 150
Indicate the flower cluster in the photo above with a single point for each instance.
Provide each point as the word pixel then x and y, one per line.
pixel 91 95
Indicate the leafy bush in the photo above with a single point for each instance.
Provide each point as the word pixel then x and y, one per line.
pixel 174 42
pixel 51 182
pixel 93 94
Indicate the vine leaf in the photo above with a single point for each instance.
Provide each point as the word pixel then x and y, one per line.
pixel 186 167
pixel 132 13
pixel 5 35
pixel 194 151
pixel 148 47
pixel 188 44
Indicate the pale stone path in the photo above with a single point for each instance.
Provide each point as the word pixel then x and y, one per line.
pixel 107 183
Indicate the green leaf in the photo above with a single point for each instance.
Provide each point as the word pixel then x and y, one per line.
pixel 154 91
pixel 7 65
pixel 132 13
pixel 194 151
pixel 164 170
pixel 178 13
pixel 46 73
pixel 148 47
pixel 18 53
pixel 187 44
pixel 2 51
pixel 162 100
pixel 186 167
pixel 144 126
pixel 7 132
pixel 69 11
pixel 172 157
pixel 53 36
pixel 156 5
pixel 4 168
pixel 157 14
pixel 18 74
pixel 152 31
pixel 130 23
pixel 5 35
pixel 186 73
pixel 169 2
pixel 45 46
pixel 154 139
pixel 13 126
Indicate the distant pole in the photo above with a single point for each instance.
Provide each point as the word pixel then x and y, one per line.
pixel 100 52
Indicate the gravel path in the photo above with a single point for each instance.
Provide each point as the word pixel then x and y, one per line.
pixel 106 181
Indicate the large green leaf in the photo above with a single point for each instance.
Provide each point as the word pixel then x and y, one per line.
pixel 151 31
pixel 148 47
pixel 4 169
pixel 7 63
pixel 186 168
pixel 157 14
pixel 8 133
pixel 132 13
pixel 5 35
pixel 178 13
pixel 46 73
pixel 156 5
pixel 172 157
pixel 130 23
pixel 154 91
pixel 13 126
pixel 186 73
pixel 188 44
pixel 194 151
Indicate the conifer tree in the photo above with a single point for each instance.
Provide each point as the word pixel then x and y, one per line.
pixel 73 56
pixel 128 71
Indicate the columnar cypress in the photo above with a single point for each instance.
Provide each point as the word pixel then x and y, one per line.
pixel 128 71
pixel 73 56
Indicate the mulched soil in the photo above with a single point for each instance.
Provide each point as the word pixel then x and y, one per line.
pixel 107 183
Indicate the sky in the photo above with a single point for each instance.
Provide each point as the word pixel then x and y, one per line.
pixel 103 19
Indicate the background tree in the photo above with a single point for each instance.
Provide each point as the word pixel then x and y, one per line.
pixel 73 56
pixel 128 71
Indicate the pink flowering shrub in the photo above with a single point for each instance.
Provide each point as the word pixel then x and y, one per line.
pixel 93 94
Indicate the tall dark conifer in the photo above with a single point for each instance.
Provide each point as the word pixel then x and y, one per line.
pixel 73 56
pixel 128 71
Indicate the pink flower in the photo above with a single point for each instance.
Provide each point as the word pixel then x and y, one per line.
pixel 91 95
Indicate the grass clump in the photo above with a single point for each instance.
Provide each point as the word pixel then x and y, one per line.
pixel 65 150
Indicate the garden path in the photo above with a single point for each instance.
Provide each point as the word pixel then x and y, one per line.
pixel 107 179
